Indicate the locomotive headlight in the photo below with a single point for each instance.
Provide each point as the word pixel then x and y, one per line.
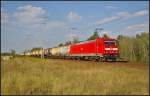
pixel 115 48
pixel 107 48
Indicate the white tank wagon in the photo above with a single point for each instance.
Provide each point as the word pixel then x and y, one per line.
pixel 36 52
pixel 55 51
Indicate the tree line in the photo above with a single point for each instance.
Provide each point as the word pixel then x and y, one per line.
pixel 11 53
pixel 134 49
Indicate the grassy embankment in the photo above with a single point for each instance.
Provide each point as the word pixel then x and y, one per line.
pixel 26 75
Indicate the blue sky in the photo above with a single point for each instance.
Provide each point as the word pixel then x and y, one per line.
pixel 28 24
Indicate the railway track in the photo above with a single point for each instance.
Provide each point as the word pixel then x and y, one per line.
pixel 119 60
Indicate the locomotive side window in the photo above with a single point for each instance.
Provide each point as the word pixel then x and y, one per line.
pixel 106 43
pixel 110 43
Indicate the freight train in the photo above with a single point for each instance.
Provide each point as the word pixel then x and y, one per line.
pixel 100 49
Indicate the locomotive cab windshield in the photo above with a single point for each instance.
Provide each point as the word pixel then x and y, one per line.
pixel 110 43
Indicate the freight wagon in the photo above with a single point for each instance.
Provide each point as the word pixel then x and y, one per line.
pixel 55 51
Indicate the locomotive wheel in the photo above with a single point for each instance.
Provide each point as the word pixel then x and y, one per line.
pixel 101 59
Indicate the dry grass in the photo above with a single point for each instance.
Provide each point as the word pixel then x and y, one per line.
pixel 26 75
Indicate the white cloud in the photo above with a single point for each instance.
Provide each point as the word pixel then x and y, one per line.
pixel 30 15
pixel 136 27
pixel 140 13
pixel 35 17
pixel 73 16
pixel 121 15
pixel 107 20
pixel 134 14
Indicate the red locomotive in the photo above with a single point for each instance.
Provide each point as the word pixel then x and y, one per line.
pixel 98 49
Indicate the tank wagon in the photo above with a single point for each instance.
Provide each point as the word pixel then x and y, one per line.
pixel 100 49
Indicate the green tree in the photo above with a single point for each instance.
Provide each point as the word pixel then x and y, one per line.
pixel 61 44
pixel 120 37
pixel 142 48
pixel 135 49
pixel 5 54
pixel 68 43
